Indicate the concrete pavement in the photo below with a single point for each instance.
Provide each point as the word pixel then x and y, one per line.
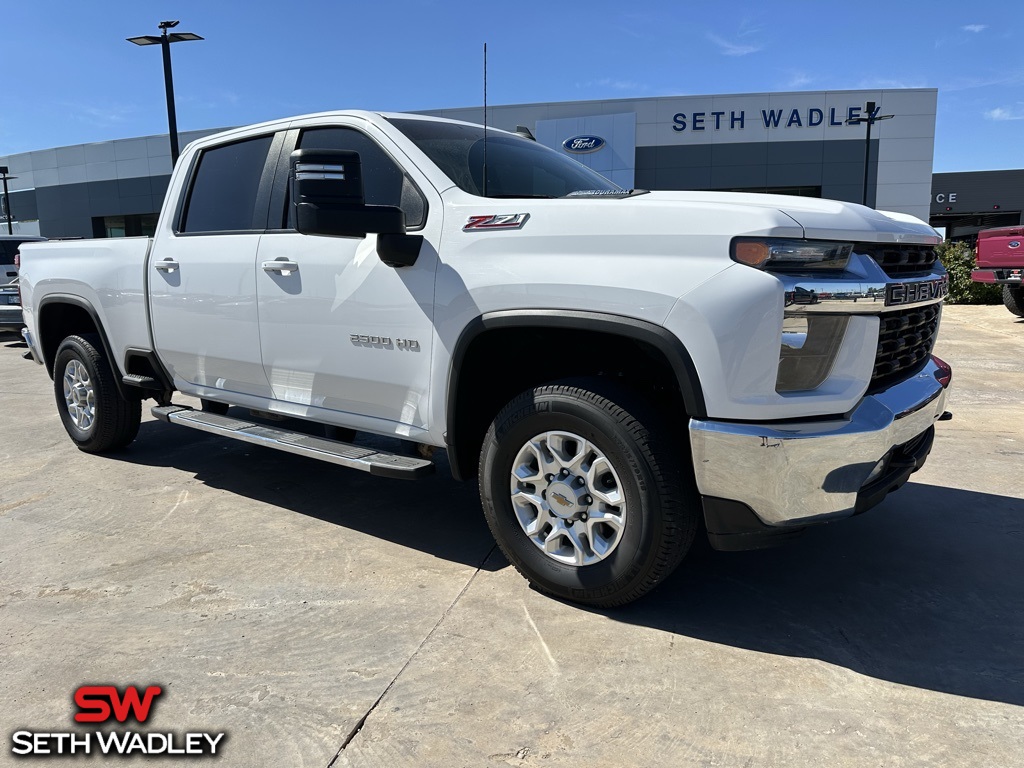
pixel 317 614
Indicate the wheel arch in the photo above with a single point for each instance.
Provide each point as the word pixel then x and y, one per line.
pixel 61 316
pixel 465 413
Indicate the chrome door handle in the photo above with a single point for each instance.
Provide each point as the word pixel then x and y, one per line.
pixel 283 267
pixel 167 265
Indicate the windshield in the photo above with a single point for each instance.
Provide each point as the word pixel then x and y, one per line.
pixel 516 167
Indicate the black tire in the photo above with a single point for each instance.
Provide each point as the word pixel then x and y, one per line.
pixel 1013 298
pixel 115 420
pixel 213 406
pixel 662 511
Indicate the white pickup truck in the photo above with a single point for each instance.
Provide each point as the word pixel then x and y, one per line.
pixel 622 370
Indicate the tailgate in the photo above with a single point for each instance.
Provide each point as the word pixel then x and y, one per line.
pixel 1003 247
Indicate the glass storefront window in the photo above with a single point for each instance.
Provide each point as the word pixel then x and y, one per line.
pixel 128 225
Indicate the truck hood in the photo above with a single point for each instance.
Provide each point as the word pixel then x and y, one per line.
pixel 820 219
pixel 697 215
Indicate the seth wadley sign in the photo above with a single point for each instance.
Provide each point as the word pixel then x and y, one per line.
pixel 767 118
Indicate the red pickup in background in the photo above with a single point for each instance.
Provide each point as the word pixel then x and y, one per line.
pixel 1001 260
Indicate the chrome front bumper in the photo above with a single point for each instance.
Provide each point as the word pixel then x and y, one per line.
pixel 792 474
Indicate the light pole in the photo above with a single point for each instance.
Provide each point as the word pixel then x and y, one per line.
pixel 164 40
pixel 7 199
pixel 870 120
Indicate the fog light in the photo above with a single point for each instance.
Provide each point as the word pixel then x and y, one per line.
pixel 809 349
pixel 878 470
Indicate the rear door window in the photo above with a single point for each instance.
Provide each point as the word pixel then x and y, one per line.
pixel 225 187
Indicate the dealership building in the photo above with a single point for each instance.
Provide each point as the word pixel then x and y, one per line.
pixel 801 143
pixel 964 203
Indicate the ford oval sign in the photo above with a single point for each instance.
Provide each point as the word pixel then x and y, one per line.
pixel 1015 244
pixel 580 145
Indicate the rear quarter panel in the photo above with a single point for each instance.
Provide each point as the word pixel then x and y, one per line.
pixel 106 274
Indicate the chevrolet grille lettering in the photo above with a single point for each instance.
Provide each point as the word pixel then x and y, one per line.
pixel 898 294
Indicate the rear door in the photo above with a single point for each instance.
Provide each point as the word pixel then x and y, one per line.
pixel 342 331
pixel 202 276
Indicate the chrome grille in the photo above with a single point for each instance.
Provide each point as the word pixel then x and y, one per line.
pixel 899 259
pixel 905 341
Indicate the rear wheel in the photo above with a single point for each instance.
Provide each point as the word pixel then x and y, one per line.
pixel 95 415
pixel 584 493
pixel 1013 298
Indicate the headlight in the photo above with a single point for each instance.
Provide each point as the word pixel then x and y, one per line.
pixel 791 255
pixel 809 349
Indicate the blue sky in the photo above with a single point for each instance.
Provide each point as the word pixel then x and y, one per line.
pixel 71 77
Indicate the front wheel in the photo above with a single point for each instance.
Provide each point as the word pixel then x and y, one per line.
pixel 1013 298
pixel 585 494
pixel 95 415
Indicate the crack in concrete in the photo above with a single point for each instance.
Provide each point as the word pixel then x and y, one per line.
pixel 362 720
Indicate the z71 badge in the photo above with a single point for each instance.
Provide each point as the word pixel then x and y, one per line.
pixel 499 221
pixel 897 294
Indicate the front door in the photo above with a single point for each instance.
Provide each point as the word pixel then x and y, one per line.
pixel 339 329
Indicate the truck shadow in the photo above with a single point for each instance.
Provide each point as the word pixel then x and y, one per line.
pixel 12 340
pixel 925 590
pixel 435 515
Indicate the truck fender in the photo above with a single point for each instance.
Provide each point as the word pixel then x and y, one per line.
pixel 80 303
pixel 640 330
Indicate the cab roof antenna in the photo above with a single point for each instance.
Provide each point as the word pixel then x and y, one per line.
pixel 485 122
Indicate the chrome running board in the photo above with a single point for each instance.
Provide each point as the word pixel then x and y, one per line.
pixel 354 456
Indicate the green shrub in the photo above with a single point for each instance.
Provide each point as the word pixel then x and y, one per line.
pixel 958 259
